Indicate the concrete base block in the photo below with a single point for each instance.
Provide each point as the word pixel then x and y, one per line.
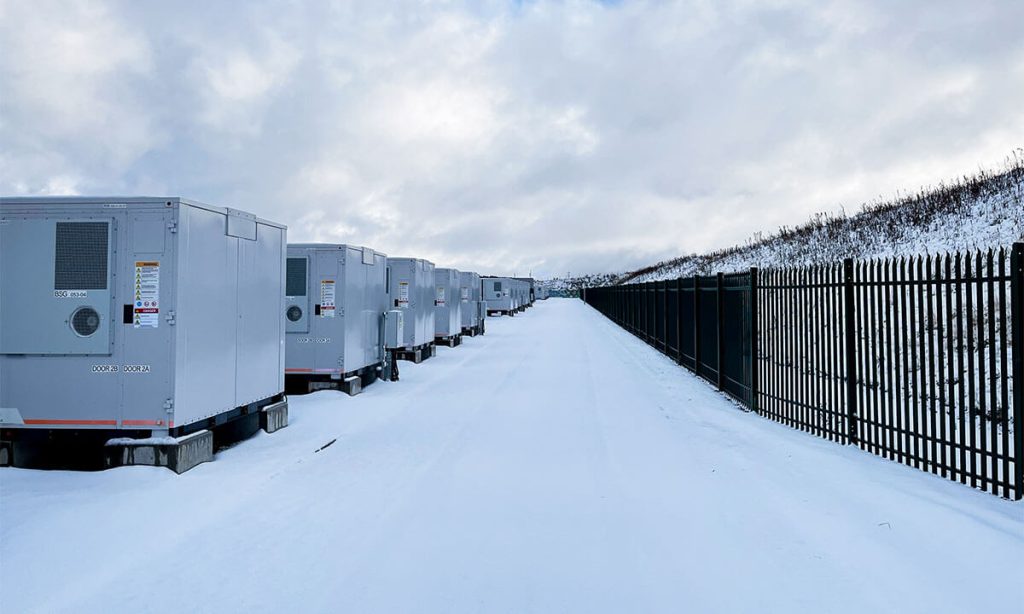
pixel 274 417
pixel 415 356
pixel 451 341
pixel 329 385
pixel 179 455
pixel 352 385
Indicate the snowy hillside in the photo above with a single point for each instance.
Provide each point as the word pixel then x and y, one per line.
pixel 570 286
pixel 973 212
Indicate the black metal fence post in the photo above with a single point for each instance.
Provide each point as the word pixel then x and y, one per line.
pixel 696 324
pixel 679 319
pixel 1017 315
pixel 664 317
pixel 754 332
pixel 850 334
pixel 719 302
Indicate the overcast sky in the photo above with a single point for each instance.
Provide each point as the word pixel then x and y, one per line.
pixel 506 137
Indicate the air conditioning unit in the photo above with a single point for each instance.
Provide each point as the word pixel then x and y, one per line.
pixel 394 329
pixel 335 297
pixel 159 316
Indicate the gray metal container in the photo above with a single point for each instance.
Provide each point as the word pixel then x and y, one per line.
pixel 411 288
pixel 136 313
pixel 334 305
pixel 498 294
pixel 447 303
pixel 517 293
pixel 471 297
pixel 526 291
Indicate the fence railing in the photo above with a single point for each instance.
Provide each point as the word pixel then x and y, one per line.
pixel 704 323
pixel 911 359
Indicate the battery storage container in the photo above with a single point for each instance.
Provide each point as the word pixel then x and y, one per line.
pixel 498 294
pixel 447 303
pixel 335 298
pixel 517 294
pixel 470 295
pixel 525 291
pixel 159 314
pixel 411 288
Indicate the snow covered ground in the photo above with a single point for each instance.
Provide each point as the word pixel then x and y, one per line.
pixel 556 464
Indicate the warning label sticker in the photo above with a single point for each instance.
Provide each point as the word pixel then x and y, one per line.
pixel 147 294
pixel 403 294
pixel 465 294
pixel 440 295
pixel 327 298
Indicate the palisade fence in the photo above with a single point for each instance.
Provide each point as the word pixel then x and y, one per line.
pixel 911 359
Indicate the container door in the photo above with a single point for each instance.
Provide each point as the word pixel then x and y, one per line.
pixel 329 330
pixel 56 280
pixel 146 322
pixel 297 307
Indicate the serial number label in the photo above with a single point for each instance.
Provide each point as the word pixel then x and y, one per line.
pixel 121 369
pixel 314 340
pixel 70 294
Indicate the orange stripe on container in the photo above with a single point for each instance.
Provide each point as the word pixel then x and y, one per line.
pixel 73 422
pixel 142 422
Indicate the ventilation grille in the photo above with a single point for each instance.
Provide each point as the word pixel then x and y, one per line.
pixel 295 284
pixel 80 261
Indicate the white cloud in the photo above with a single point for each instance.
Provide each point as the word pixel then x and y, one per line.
pixel 237 83
pixel 550 136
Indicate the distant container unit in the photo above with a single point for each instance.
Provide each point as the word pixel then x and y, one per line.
pixel 152 319
pixel 499 295
pixel 474 311
pixel 526 292
pixel 411 289
pixel 336 296
pixel 518 295
pixel 447 307
pixel 540 293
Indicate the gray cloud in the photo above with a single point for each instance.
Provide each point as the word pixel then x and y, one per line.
pixel 509 137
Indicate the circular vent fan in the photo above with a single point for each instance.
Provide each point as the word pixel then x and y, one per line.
pixel 294 313
pixel 85 321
